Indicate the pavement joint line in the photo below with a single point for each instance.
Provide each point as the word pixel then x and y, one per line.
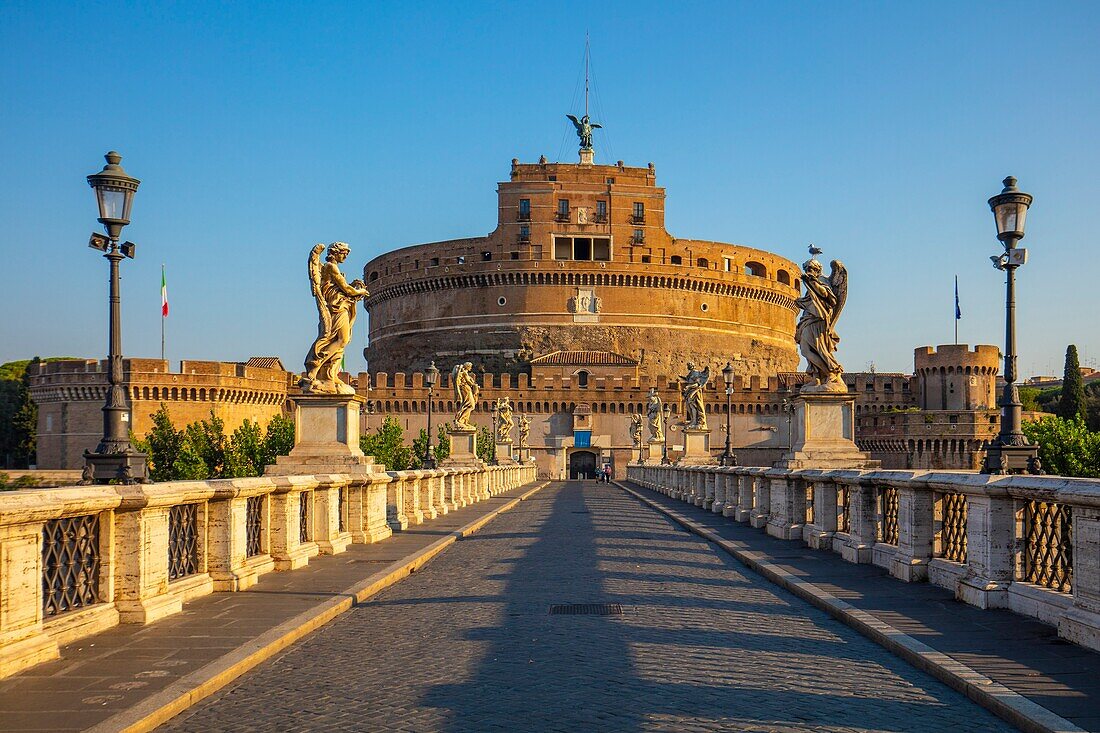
pixel 192 688
pixel 993 696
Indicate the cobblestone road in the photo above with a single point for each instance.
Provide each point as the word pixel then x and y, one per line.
pixel 467 644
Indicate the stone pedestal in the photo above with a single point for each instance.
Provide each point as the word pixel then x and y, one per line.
pixel 635 455
pixel 503 454
pixel 655 451
pixel 696 448
pixel 463 448
pixel 326 437
pixel 524 455
pixel 824 434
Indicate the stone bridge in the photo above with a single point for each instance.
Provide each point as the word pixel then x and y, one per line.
pixel 681 599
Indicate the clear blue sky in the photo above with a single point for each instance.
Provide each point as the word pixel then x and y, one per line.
pixel 876 130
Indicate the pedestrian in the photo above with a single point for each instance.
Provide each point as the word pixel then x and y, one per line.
pixel 607 473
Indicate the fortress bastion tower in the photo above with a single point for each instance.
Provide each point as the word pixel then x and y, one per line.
pixel 580 261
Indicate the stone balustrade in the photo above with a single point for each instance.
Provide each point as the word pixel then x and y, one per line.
pixel 77 560
pixel 1027 543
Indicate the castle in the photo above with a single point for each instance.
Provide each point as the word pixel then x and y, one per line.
pixel 574 307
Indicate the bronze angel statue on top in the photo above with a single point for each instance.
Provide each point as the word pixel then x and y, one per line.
pixel 816 330
pixel 584 130
pixel 336 300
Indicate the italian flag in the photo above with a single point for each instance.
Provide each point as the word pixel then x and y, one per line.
pixel 163 294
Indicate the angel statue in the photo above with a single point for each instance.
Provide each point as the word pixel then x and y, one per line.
pixel 505 423
pixel 336 299
pixel 636 429
pixel 695 413
pixel 584 130
pixel 815 332
pixel 465 393
pixel 524 430
pixel 655 416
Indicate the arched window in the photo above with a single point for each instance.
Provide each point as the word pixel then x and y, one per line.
pixel 582 379
pixel 676 260
pixel 702 262
pixel 783 276
pixel 756 269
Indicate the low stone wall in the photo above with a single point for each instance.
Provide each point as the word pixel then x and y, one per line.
pixel 1027 543
pixel 78 560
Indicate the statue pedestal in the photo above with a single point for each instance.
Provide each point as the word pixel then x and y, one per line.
pixel 635 455
pixel 326 437
pixel 824 434
pixel 696 448
pixel 463 448
pixel 524 454
pixel 588 156
pixel 503 454
pixel 656 451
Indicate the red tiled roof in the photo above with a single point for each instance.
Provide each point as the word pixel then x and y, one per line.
pixel 265 362
pixel 584 358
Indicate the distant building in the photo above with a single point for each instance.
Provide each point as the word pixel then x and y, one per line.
pixel 70 395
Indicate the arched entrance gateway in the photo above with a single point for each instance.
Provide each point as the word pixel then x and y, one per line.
pixel 582 464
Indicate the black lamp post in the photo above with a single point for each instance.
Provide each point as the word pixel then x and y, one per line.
pixel 728 458
pixel 431 378
pixel 666 413
pixel 115 458
pixel 1010 452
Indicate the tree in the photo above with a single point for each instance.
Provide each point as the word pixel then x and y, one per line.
pixel 278 440
pixel 163 444
pixel 18 415
pixel 442 448
pixel 387 445
pixel 1072 403
pixel 486 445
pixel 244 454
pixel 1066 447
pixel 207 441
pixel 440 451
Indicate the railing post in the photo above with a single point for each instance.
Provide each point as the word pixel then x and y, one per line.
pixel 990 547
pixel 288 501
pixel 915 529
pixel 228 562
pixel 721 489
pixel 819 534
pixel 395 503
pixel 330 539
pixel 860 543
pixel 745 485
pixel 1081 623
pixel 787 503
pixel 761 498
pixel 424 488
pixel 23 642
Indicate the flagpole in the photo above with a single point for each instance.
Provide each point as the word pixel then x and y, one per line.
pixel 162 318
pixel 957 314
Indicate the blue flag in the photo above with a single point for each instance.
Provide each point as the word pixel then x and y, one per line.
pixel 958 310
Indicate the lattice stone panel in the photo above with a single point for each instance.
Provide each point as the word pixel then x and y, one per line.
pixel 844 504
pixel 70 564
pixel 254 526
pixel 183 546
pixel 1048 545
pixel 954 509
pixel 305 502
pixel 888 530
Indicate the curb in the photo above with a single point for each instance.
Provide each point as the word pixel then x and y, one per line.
pixel 202 683
pixel 995 697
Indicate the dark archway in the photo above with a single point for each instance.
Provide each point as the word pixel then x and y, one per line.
pixel 582 464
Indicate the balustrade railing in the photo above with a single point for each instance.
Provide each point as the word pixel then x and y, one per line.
pixel 1027 543
pixel 70 564
pixel 78 560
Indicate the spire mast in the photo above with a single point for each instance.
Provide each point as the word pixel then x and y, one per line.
pixel 587 52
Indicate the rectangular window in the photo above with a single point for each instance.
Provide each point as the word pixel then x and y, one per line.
pixel 639 212
pixel 639 236
pixel 582 248
pixel 563 248
pixel 563 206
pixel 610 181
pixel 601 208
pixel 727 264
pixel 525 209
pixel 524 233
pixel 435 262
pixel 514 255
pixel 646 259
pixel 460 260
pixel 601 250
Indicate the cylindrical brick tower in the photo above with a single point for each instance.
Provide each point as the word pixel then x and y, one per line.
pixel 580 261
pixel 952 377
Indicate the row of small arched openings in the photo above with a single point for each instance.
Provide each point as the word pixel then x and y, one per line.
pixel 199 394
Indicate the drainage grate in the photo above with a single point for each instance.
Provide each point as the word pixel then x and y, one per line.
pixel 586 609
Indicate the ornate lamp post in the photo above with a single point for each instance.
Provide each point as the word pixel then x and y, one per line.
pixel 431 378
pixel 728 458
pixel 115 457
pixel 666 413
pixel 789 410
pixel 1010 452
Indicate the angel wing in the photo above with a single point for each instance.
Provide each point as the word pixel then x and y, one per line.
pixel 315 287
pixel 595 126
pixel 705 380
pixel 575 121
pixel 838 279
pixel 454 382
